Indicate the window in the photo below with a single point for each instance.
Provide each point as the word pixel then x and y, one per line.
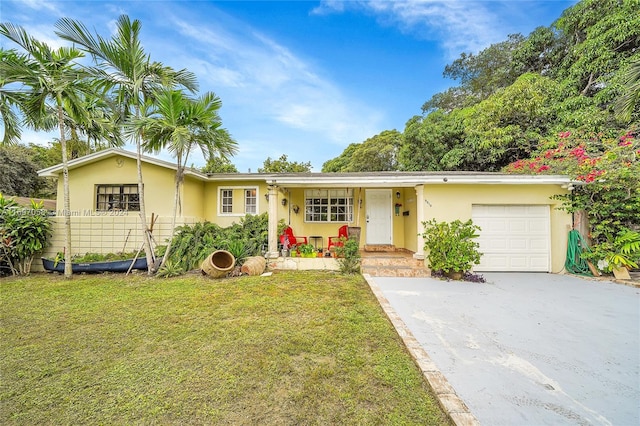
pixel 238 200
pixel 117 197
pixel 328 205
pixel 250 201
pixel 227 200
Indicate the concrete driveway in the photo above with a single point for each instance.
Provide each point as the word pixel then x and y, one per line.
pixel 530 349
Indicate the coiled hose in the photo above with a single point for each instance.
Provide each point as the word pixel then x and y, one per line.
pixel 574 263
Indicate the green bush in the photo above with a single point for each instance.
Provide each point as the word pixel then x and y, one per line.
pixel 193 243
pixel 348 256
pixel 451 246
pixel 24 231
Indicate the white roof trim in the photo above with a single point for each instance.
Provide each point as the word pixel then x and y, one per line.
pixel 412 179
pixel 111 152
pixel 333 180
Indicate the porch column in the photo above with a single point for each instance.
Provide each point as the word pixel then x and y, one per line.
pixel 272 253
pixel 419 253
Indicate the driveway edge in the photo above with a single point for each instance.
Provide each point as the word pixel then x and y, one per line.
pixel 450 402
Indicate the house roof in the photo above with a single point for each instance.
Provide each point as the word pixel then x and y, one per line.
pixel 54 171
pixel 328 180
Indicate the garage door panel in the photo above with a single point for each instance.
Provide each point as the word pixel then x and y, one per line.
pixel 513 237
pixel 517 226
pixel 539 244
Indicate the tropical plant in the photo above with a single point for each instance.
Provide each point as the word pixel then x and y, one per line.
pixel 451 246
pixel 348 256
pixel 170 269
pixel 240 249
pixel 621 251
pixel 181 124
pixel 630 99
pixel 193 243
pixel 126 70
pixel 52 84
pixel 24 231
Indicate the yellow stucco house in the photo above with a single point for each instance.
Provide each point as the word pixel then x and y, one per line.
pixel 522 227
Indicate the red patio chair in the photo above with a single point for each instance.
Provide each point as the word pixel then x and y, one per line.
pixel 336 241
pixel 287 234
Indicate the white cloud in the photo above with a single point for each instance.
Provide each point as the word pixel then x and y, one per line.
pixel 459 25
pixel 42 6
pixel 264 77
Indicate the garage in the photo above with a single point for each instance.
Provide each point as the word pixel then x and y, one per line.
pixel 513 237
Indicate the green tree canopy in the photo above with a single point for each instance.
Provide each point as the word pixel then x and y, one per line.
pixel 283 165
pixel 219 164
pixel 378 153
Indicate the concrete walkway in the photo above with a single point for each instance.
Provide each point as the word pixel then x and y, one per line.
pixel 529 349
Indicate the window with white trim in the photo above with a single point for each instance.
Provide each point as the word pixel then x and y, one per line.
pixel 117 197
pixel 250 201
pixel 328 205
pixel 238 200
pixel 226 195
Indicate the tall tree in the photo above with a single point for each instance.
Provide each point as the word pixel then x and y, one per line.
pixel 10 101
pixel 125 68
pixel 378 153
pixel 428 139
pixel 19 172
pixel 219 164
pixel 50 80
pixel 283 165
pixel 181 124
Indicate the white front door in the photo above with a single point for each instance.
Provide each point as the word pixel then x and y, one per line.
pixel 378 202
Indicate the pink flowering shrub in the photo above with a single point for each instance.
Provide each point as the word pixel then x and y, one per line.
pixel 608 168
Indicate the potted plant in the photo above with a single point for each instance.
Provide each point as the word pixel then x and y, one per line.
pixel 307 250
pixel 451 246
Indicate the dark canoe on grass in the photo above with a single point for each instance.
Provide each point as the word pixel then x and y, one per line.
pixel 97 267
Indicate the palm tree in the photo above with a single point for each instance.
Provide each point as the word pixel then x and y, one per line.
pixel 630 100
pixel 12 102
pixel 47 80
pixel 124 67
pixel 181 124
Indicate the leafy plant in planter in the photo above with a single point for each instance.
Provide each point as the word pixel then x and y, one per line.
pixel 307 250
pixel 451 246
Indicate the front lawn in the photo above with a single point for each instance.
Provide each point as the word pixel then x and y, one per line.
pixel 293 348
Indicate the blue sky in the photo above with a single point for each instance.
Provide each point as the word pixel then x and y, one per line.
pixel 302 78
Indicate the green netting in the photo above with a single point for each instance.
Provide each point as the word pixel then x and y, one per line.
pixel 574 263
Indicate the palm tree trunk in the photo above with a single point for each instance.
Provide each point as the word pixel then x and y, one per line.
pixel 68 271
pixel 176 199
pixel 146 239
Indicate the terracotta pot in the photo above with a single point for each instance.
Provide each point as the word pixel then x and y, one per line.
pixel 218 263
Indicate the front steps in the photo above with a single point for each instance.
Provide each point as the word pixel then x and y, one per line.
pixel 385 261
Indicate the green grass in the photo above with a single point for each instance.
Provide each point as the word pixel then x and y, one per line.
pixel 294 348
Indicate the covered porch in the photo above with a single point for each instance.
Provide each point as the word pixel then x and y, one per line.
pixel 384 210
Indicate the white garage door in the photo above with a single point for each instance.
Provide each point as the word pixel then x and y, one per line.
pixel 513 237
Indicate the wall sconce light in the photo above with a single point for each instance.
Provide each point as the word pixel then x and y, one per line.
pixel 266 196
pixel 398 194
pixel 295 208
pixel 284 201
